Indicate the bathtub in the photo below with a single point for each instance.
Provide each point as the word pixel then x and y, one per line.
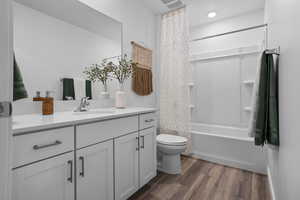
pixel 230 146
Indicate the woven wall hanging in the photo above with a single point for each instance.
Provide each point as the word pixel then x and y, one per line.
pixel 142 73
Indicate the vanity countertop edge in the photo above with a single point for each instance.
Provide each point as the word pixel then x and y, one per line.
pixel 23 124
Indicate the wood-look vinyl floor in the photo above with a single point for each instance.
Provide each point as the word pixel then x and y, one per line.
pixel 202 180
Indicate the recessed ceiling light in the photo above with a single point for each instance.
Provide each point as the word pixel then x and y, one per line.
pixel 211 14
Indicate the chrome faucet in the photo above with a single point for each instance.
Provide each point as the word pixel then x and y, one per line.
pixel 83 107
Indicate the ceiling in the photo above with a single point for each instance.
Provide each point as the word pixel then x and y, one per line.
pixel 157 6
pixel 198 9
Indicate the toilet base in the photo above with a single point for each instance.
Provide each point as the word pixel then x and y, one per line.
pixel 170 164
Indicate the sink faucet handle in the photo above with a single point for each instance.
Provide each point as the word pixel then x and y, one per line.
pixel 84 99
pixel 86 102
pixel 83 104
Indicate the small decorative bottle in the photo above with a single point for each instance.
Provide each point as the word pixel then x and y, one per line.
pixel 48 104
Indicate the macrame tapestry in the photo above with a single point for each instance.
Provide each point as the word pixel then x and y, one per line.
pixel 142 73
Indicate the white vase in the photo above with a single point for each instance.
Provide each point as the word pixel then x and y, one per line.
pixel 120 97
pixel 104 93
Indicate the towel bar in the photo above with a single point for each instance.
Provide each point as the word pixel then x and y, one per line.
pixel 273 51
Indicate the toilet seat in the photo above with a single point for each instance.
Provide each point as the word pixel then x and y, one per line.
pixel 171 140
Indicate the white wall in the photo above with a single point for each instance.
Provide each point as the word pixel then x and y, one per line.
pixel 48 49
pixel 198 10
pixel 284 162
pixel 230 24
pixel 139 24
pixel 232 41
pixel 219 93
pixel 252 37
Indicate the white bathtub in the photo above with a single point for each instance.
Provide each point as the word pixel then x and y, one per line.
pixel 229 146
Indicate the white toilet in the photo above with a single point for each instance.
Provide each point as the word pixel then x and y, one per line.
pixel 169 148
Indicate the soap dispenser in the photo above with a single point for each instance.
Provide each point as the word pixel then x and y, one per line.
pixel 48 104
pixel 38 96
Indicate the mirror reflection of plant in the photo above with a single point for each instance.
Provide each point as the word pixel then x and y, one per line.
pixel 123 69
pixel 98 72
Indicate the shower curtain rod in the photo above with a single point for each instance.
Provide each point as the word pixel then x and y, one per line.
pixel 230 32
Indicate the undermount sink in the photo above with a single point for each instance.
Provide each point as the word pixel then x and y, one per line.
pixel 95 111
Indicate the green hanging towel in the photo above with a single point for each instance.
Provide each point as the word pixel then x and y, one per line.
pixel 69 90
pixel 88 89
pixel 273 125
pixel 267 122
pixel 19 91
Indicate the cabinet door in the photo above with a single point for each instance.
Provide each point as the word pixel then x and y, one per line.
pixel 95 172
pixel 147 155
pixel 126 166
pixel 47 180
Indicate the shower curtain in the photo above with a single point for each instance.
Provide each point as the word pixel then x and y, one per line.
pixel 175 73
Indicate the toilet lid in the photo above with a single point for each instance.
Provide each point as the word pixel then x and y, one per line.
pixel 171 139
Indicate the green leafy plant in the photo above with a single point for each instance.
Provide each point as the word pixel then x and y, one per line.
pixel 98 72
pixel 123 69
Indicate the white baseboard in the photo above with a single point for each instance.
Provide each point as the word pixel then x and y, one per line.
pixel 271 185
pixel 228 162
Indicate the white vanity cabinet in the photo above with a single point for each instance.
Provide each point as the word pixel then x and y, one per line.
pixel 135 158
pixel 44 165
pixel 32 147
pixel 107 159
pixel 126 166
pixel 88 134
pixel 47 180
pixel 135 162
pixel 95 172
pixel 147 161
pixel 101 176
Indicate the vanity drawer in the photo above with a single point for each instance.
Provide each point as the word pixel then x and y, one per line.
pixel 147 120
pixel 40 145
pixel 93 133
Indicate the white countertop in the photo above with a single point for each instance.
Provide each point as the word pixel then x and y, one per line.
pixel 36 122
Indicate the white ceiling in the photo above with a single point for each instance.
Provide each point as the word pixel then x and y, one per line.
pixel 198 9
pixel 156 6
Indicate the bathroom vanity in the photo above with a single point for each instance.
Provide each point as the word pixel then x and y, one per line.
pixel 102 154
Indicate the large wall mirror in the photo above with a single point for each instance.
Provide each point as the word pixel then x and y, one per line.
pixel 57 39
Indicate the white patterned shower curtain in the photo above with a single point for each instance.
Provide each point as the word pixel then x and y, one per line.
pixel 175 73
